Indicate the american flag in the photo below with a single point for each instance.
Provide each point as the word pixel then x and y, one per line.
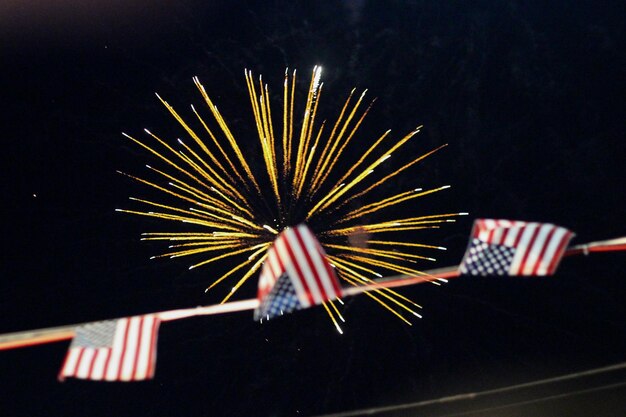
pixel 505 247
pixel 295 275
pixel 113 350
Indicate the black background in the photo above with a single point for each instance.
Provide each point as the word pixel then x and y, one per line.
pixel 528 95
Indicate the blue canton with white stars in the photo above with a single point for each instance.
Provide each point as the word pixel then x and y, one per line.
pixel 487 259
pixel 282 299
pixel 95 335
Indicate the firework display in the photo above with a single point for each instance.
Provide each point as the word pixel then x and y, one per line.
pixel 238 206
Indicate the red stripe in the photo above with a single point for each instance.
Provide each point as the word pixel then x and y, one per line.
pixel 504 234
pixel 334 281
pixel 281 264
pixel 263 286
pixel 267 276
pixel 121 360
pixel 329 269
pixel 478 226
pixel 490 235
pixel 312 267
pixel 559 253
pixel 518 237
pixel 138 348
pixel 273 274
pixel 61 376
pixel 153 341
pixel 543 250
pixel 93 360
pixel 528 248
pixel 292 258
pixel 78 361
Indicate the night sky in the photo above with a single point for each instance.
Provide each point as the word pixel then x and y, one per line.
pixel 529 97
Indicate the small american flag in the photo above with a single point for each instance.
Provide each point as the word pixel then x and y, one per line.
pixel 505 247
pixel 113 350
pixel 295 275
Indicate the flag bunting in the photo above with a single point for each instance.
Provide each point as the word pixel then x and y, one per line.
pixel 505 247
pixel 113 350
pixel 295 275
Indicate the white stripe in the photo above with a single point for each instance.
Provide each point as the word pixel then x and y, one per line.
pixel 269 273
pixel 535 250
pixel 70 361
pixel 307 273
pixel 275 271
pixel 116 351
pixel 281 251
pixel 553 246
pixel 311 246
pixel 500 223
pixel 143 365
pixel 84 364
pixel 128 361
pixel 267 278
pixel 511 223
pixel 490 224
pixel 511 236
pixel 484 227
pixel 264 279
pixel 522 248
pixel 497 235
pixel 98 367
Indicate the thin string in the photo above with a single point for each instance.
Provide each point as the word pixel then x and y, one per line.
pixel 474 395
pixel 539 400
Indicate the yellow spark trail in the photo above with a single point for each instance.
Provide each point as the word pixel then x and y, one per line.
pixel 362 158
pixel 220 148
pixel 393 174
pixel 345 264
pixel 330 142
pixel 307 127
pixel 368 260
pixel 232 253
pixel 387 202
pixel 391 225
pixel 394 243
pixel 247 262
pixel 336 157
pixel 246 276
pixel 200 195
pixel 194 136
pixel 330 314
pixel 347 276
pixel 263 121
pixel 339 192
pixel 379 252
pixel 228 134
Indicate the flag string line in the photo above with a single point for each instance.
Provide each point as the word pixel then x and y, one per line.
pixel 473 395
pixel 540 399
pixel 27 338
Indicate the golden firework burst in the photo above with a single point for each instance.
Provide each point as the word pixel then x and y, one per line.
pixel 238 209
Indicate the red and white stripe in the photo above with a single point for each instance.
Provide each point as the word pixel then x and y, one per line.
pixel 297 252
pixel 131 357
pixel 538 246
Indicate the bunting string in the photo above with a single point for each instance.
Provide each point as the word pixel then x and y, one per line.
pixel 55 334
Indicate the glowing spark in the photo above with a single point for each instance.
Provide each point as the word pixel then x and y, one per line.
pixel 265 226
